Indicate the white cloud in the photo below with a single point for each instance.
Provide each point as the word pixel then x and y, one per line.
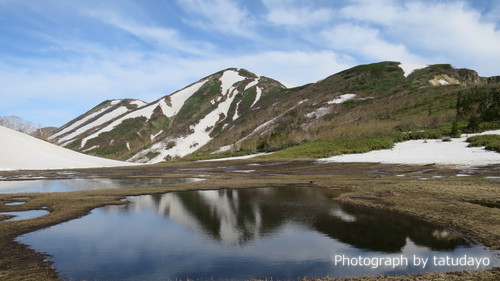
pixel 451 30
pixel 165 38
pixel 293 68
pixel 292 13
pixel 221 15
pixel 366 42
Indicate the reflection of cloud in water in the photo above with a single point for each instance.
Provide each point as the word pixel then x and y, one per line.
pixel 339 213
pixel 169 204
pixel 65 185
pixel 411 248
pixel 221 206
pixel 24 215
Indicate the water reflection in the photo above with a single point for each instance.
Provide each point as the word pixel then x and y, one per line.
pixel 65 185
pixel 25 215
pixel 280 233
pixel 235 217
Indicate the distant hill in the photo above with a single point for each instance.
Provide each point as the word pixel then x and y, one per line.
pixel 235 112
pixel 23 126
pixel 18 124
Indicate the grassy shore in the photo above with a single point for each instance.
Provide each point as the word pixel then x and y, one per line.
pixel 468 205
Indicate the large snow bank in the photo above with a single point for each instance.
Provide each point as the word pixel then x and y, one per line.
pixel 19 151
pixel 423 152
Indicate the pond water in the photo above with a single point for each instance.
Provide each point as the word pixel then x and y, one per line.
pixel 279 233
pixel 14 203
pixel 65 185
pixel 24 215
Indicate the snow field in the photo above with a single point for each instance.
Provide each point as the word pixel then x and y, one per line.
pixel 422 152
pixel 19 151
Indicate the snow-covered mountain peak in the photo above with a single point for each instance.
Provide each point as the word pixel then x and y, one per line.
pixel 172 126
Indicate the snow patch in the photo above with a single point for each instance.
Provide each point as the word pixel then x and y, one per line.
pixel 139 103
pixel 156 135
pixel 341 99
pixel 101 120
pixel 420 152
pixel 236 115
pixel 408 68
pixel 223 149
pixel 78 123
pixel 228 79
pixel 146 112
pixel 19 151
pixel 258 94
pixel 320 112
pixel 128 146
pixel 443 82
pixel 90 148
pixel 251 84
pixel 178 98
pixel 235 158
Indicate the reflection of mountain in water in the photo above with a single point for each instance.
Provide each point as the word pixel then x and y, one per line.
pixel 238 216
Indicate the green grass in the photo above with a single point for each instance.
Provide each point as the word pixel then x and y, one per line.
pixel 327 148
pixel 491 142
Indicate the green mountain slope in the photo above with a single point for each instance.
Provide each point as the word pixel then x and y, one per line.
pixel 364 108
pixel 236 112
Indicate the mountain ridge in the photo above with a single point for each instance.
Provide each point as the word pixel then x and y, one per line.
pixel 185 119
pixel 234 111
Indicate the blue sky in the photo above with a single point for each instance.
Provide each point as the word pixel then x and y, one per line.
pixel 59 58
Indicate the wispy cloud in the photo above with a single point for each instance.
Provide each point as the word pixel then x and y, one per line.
pixel 224 16
pixel 297 13
pixel 163 37
pixel 365 42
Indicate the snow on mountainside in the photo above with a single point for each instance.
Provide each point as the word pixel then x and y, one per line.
pixel 235 111
pixel 19 151
pixel 99 115
pixel 170 127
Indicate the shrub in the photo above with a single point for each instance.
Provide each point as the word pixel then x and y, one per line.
pixel 491 142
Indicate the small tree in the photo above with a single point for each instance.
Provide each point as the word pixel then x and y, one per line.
pixel 473 125
pixel 455 131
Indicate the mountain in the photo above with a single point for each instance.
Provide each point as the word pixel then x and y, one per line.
pixel 19 151
pixel 23 126
pixel 172 126
pixel 235 112
pixel 18 124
